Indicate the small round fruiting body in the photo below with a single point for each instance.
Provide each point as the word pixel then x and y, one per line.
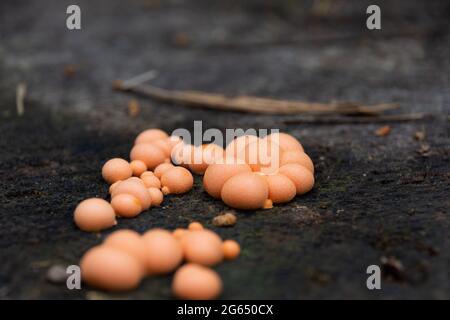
pixel 299 175
pixel 126 205
pixel 116 169
pixel 148 153
pixel 176 181
pixel 281 188
pixel 156 196
pixel 138 167
pixel 231 249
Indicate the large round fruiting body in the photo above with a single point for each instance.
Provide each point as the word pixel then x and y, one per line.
pixel 281 188
pixel 94 215
pixel 217 174
pixel 203 247
pixel 163 251
pixel 176 181
pixel 246 191
pixel 110 269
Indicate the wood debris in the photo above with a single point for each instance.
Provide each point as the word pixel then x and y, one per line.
pixel 181 40
pixel 393 269
pixel 419 135
pixel 227 219
pixel 21 92
pixel 133 108
pixel 424 150
pixel 95 295
pixel 321 8
pixel 383 131
pixel 319 277
pixel 70 70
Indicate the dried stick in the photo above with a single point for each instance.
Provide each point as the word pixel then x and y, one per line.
pixel 250 104
pixel 362 119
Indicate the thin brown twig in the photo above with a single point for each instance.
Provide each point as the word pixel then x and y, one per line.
pixel 251 104
pixel 361 119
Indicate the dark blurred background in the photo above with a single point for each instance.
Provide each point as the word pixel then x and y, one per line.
pixel 313 50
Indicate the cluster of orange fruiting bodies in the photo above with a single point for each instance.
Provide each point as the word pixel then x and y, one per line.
pixel 126 257
pixel 250 173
